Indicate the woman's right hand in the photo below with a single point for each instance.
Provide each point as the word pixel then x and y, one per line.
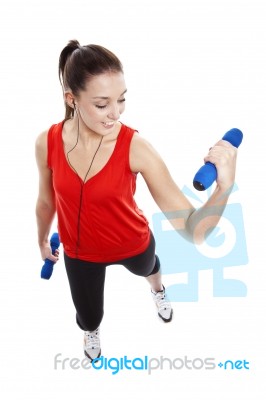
pixel 46 252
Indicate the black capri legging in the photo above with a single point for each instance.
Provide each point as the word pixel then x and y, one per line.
pixel 86 280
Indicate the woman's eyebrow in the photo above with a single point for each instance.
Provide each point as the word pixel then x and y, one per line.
pixel 106 98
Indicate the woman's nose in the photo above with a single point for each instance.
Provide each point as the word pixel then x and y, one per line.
pixel 114 113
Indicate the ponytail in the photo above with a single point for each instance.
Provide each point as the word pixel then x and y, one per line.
pixel 64 56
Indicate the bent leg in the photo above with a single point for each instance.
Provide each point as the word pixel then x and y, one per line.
pixel 146 264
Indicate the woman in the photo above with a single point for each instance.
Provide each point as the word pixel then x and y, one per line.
pixel 88 165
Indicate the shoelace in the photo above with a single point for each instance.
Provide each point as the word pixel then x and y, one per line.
pixel 92 339
pixel 161 302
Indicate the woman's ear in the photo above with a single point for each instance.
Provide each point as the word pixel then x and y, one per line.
pixel 69 99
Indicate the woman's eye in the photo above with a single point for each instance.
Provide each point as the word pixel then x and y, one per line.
pixel 101 107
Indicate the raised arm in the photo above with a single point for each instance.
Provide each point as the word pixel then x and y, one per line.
pixel 191 223
pixel 45 206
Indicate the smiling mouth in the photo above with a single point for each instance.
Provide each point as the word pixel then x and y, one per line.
pixel 108 123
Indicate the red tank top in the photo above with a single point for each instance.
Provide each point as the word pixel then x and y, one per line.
pixel 99 220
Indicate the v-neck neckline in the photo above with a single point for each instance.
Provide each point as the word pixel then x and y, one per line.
pixel 105 165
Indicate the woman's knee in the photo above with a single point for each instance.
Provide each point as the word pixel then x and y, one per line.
pixel 90 322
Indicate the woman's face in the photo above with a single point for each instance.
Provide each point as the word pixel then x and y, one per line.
pixel 102 103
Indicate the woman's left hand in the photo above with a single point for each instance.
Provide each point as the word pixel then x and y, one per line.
pixel 223 155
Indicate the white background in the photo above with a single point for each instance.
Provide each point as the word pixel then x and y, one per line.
pixel 194 69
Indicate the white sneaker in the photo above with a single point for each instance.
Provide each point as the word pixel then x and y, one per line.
pixel 163 305
pixel 92 347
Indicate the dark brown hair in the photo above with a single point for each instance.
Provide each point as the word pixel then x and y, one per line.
pixel 77 64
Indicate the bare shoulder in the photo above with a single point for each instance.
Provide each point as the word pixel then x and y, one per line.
pixel 41 139
pixel 146 160
pixel 41 147
pixel 140 144
pixel 142 154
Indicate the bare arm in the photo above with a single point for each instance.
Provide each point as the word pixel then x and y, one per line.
pixel 45 206
pixel 191 223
